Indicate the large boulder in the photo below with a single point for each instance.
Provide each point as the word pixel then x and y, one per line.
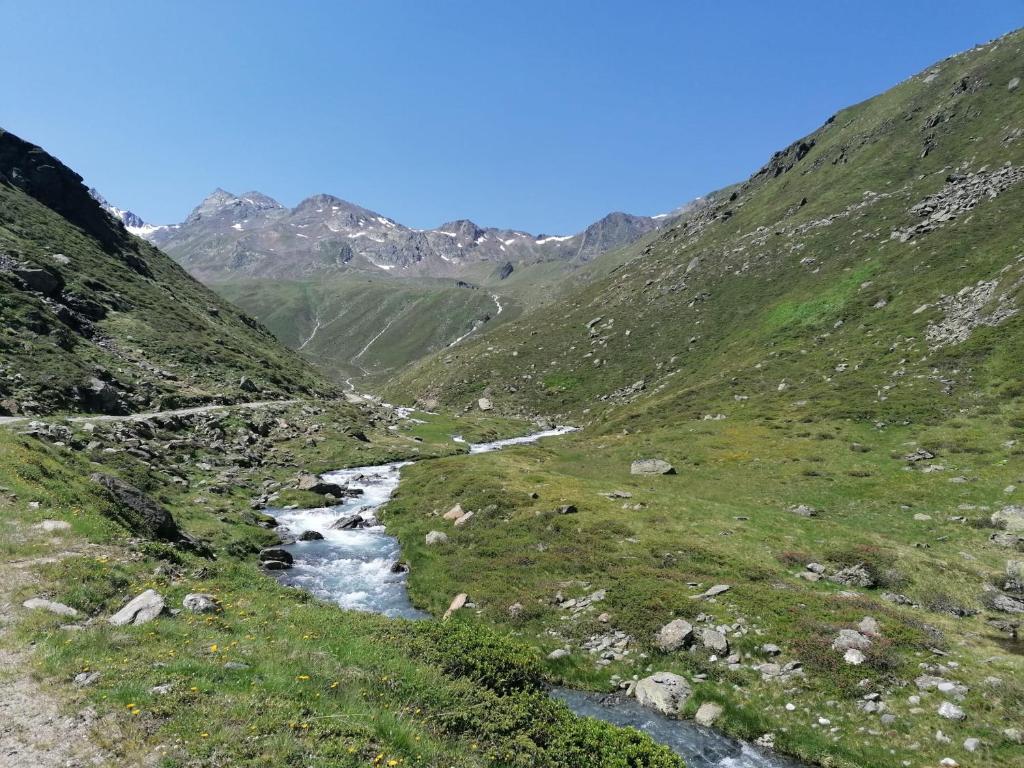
pixel 136 511
pixel 651 467
pixel 1010 518
pixel 98 395
pixel 663 692
pixel 314 484
pixel 674 635
pixel 139 610
pixel 276 555
pixel 39 280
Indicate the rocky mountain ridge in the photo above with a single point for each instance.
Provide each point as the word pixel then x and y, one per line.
pixel 251 235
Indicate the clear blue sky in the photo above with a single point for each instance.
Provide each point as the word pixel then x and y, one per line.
pixel 534 115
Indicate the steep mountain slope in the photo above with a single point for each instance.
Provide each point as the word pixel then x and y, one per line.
pixel 366 327
pixel 229 236
pixel 827 360
pixel 871 268
pixel 96 319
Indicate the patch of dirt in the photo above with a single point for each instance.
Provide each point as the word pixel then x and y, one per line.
pixel 37 729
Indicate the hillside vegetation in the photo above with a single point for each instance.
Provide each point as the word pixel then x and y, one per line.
pixel 873 268
pixel 829 356
pixel 364 327
pixel 95 319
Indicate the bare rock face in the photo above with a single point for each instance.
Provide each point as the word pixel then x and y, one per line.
pixel 663 692
pixel 139 610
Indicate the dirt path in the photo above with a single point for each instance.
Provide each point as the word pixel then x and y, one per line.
pixel 16 420
pixel 37 728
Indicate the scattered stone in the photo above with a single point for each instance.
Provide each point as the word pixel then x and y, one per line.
pixel 162 690
pixel 311 536
pixel 770 649
pixel 674 635
pixel 558 653
pixel 851 638
pixel 457 603
pixel 85 679
pixel 139 610
pixel 52 526
pixel 663 692
pixel 803 510
pixel 236 665
pixel 1010 518
pixel 972 744
pixel 919 455
pixel 708 713
pixel 41 604
pixel 714 591
pixel 565 509
pixel 869 626
pixel 651 467
pixel 436 537
pixel 853 576
pixel 464 519
pixel 1013 84
pixel 198 602
pixel 854 656
pixel 484 404
pixel 714 640
pixel 951 711
pixel 454 513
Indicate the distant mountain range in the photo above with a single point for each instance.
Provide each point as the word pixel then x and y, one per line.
pixel 229 236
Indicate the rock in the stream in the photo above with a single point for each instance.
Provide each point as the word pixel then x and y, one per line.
pixel 663 692
pixel 674 635
pixel 456 604
pixel 198 602
pixel 311 536
pixel 41 604
pixel 651 467
pixel 278 555
pixel 139 610
pixel 348 522
pixel 436 537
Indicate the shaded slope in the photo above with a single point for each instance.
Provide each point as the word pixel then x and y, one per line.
pixel 96 319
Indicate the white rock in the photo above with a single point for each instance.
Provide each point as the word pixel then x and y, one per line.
pixel 951 711
pixel 139 610
pixel 854 656
pixel 436 537
pixel 664 692
pixel 708 713
pixel 41 604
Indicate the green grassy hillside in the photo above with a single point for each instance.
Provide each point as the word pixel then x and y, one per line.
pixel 807 282
pixel 830 356
pixel 363 327
pixel 96 319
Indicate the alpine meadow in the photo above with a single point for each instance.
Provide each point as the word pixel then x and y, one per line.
pixel 737 484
